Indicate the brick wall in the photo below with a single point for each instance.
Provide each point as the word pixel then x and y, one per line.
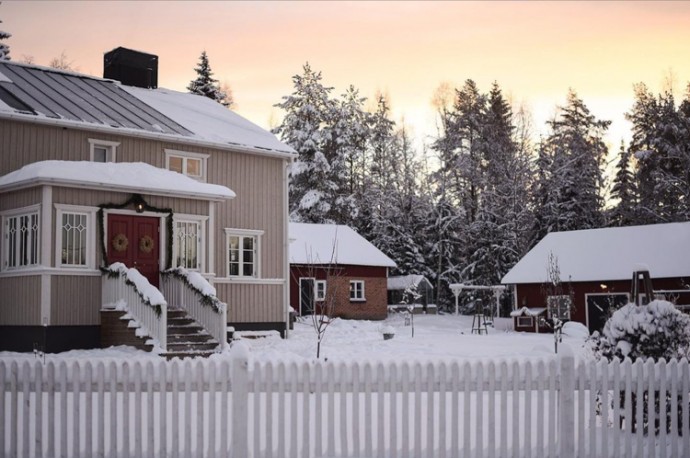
pixel 375 293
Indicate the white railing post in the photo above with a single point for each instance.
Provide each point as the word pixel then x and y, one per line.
pixel 566 403
pixel 240 403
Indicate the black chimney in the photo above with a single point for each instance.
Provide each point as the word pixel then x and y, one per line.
pixel 132 68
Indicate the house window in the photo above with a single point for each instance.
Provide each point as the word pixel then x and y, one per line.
pixel 103 150
pixel 187 244
pixel 73 227
pixel 243 252
pixel 559 307
pixel 357 290
pixel 320 290
pixel 191 164
pixel 525 321
pixel 21 232
pixel 75 236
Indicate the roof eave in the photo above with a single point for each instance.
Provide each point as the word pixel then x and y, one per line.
pixel 146 135
pixel 109 187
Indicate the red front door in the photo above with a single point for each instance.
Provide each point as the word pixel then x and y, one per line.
pixel 134 241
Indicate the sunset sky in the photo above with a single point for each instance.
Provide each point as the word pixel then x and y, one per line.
pixel 535 50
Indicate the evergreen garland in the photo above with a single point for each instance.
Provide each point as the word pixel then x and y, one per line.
pixel 135 199
pixel 110 273
pixel 206 299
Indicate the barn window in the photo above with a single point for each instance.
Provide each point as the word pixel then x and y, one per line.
pixel 559 307
pixel 525 321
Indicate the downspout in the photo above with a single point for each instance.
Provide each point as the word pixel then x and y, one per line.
pixel 286 244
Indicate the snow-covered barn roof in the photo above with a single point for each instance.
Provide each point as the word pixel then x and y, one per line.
pixel 608 254
pixel 405 281
pixel 58 97
pixel 113 176
pixel 333 244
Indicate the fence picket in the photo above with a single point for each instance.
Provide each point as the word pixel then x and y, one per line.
pixel 479 403
pixel 492 438
pixel 176 416
pixel 651 411
pixel 343 410
pixel 269 410
pixel 112 380
pixel 541 422
pixel 605 402
pixel 581 401
pixel 616 407
pixel 138 449
pixel 306 411
pixel 294 373
pixel 331 411
pixel 455 407
pixel 256 410
pixel 467 381
pixel 443 380
pixel 528 410
pixel 662 407
pixel 673 372
pixel 685 388
pixel 504 409
pixel 405 377
pixel 356 387
pixel 26 406
pixel 515 414
pixel 63 408
pixel 224 406
pixel 368 439
pixel 393 416
pixel 417 409
pixel 50 388
pixel 281 410
pixel 430 441
pixel 319 424
pixel 88 408
pixel 553 419
pixel 639 406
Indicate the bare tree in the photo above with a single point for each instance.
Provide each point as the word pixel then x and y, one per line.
pixel 63 63
pixel 324 310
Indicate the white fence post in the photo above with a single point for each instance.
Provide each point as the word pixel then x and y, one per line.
pixel 240 401
pixel 566 402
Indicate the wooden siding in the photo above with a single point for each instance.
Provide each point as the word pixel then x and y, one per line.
pixel 249 303
pixel 20 301
pixel 19 199
pixel 75 300
pixel 257 180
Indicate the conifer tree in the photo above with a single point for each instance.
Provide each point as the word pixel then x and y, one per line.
pixel 625 191
pixel 206 85
pixel 306 127
pixel 576 152
pixel 4 48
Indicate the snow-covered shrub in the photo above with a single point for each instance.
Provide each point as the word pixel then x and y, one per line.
pixel 656 330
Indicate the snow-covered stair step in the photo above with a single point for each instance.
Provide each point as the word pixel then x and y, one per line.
pixel 187 338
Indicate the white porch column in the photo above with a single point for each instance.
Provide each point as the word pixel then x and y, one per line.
pixel 211 228
pixel 46 250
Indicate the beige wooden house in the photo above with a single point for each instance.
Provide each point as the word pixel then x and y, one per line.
pixel 94 171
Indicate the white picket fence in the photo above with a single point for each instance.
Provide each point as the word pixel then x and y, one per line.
pixel 229 407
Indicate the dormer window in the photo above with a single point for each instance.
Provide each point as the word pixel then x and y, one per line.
pixel 103 150
pixel 191 164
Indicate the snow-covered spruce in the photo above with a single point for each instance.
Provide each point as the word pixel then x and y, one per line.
pixel 148 293
pixel 656 330
pixel 199 284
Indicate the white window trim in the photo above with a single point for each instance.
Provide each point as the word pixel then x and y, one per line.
pixel 358 299
pixel 90 213
pixel 94 142
pixel 317 296
pixel 202 221
pixel 31 209
pixel 522 325
pixel 229 232
pixel 187 155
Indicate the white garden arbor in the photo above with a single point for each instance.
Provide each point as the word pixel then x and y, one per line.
pixel 458 288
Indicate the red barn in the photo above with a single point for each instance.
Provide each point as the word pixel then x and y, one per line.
pixel 595 269
pixel 334 270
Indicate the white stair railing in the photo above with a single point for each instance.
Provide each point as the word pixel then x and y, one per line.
pixel 127 290
pixel 189 291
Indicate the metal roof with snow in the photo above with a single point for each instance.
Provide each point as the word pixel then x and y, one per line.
pixel 608 254
pixel 333 244
pixel 47 95
pixel 405 281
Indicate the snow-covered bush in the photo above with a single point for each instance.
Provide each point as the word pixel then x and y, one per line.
pixel 656 330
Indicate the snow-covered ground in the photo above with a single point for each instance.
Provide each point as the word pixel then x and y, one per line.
pixel 437 338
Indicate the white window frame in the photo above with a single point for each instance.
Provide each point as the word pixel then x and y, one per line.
pixel 549 306
pixel 90 212
pixel 18 213
pixel 201 247
pixel 357 297
pixel 530 322
pixel 242 233
pixel 185 155
pixel 320 293
pixel 111 149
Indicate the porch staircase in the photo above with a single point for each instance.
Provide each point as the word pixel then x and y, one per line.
pixel 187 338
